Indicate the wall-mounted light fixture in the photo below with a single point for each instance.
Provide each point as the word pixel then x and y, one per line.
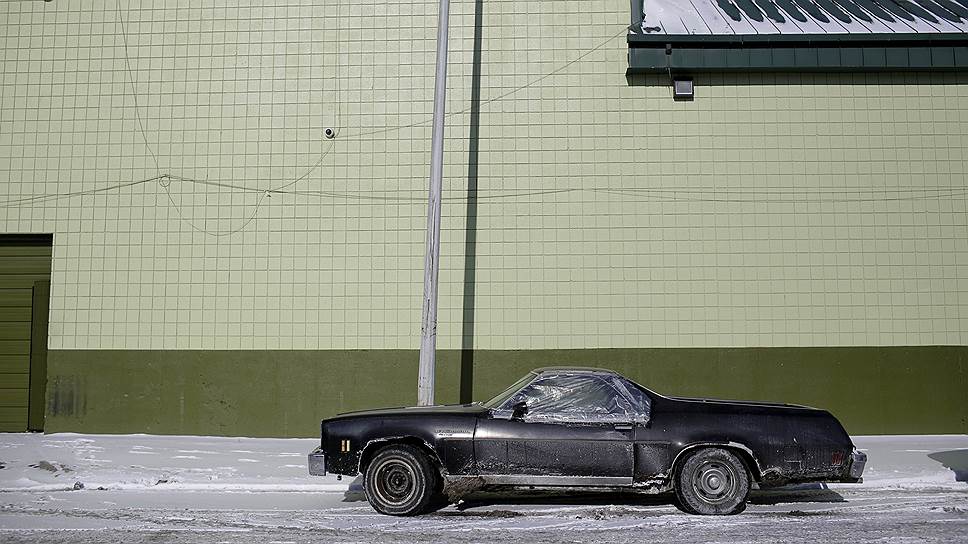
pixel 683 88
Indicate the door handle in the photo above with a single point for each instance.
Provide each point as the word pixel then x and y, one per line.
pixel 623 426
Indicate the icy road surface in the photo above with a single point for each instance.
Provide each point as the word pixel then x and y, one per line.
pixel 136 488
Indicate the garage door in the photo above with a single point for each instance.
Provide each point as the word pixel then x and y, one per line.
pixel 24 296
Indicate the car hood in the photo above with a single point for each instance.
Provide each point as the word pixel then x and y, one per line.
pixel 440 409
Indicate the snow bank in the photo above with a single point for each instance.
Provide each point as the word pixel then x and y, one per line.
pixel 915 461
pixel 70 461
pixel 33 462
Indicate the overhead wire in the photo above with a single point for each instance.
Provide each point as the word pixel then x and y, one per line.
pixel 34 199
pixel 134 90
pixel 167 178
pixel 707 194
pixel 338 129
pixel 664 195
pixel 725 195
pixel 501 96
pixel 218 233
pixel 268 192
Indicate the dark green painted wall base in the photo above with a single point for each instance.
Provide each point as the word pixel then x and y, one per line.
pixel 873 390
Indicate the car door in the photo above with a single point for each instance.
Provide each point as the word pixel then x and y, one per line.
pixel 576 425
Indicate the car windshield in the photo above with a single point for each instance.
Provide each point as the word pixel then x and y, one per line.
pixel 499 400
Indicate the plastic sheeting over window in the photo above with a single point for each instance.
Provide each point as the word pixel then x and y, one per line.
pixel 578 398
pixel 500 399
pixel 641 403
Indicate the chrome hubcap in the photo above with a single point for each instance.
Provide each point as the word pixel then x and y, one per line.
pixel 715 482
pixel 394 482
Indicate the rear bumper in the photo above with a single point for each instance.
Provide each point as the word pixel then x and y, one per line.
pixel 317 462
pixel 858 460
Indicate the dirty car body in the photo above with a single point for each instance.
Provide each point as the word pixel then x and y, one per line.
pixel 593 428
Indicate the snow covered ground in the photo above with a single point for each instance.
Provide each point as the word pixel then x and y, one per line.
pixel 138 488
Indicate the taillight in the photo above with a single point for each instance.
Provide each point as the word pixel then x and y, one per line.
pixel 837 458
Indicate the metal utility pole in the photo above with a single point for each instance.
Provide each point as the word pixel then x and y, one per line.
pixel 428 326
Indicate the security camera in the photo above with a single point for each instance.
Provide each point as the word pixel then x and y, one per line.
pixel 330 133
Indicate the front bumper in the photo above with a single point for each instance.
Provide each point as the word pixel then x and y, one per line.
pixel 858 460
pixel 317 462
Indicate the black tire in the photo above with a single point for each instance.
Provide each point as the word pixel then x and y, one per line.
pixel 712 482
pixel 680 505
pixel 401 481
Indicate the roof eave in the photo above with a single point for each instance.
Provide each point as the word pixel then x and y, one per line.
pixel 802 53
pixel 806 40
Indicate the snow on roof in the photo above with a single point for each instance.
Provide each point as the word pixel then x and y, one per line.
pixel 803 17
pixel 582 369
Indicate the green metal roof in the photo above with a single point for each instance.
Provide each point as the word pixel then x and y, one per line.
pixel 826 35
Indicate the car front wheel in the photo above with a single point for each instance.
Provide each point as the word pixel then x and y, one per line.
pixel 401 481
pixel 712 481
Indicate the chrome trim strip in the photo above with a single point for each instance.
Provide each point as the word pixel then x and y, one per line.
pixel 743 447
pixel 569 481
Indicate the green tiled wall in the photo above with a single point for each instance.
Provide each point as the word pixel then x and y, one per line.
pixel 872 390
pixel 774 210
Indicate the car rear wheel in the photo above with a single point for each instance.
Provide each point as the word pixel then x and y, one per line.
pixel 401 481
pixel 712 481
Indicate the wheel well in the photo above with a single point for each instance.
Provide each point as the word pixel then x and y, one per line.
pixel 371 449
pixel 744 454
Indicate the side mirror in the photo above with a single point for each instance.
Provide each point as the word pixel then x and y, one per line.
pixel 519 410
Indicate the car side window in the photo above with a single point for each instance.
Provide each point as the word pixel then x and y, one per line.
pixel 641 403
pixel 573 398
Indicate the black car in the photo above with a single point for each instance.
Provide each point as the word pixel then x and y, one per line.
pixel 585 428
